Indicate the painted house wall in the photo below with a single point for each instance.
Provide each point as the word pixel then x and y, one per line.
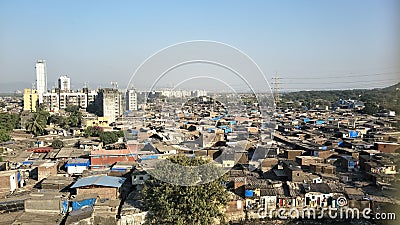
pixel 76 169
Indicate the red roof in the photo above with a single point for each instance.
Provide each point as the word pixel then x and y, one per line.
pixel 40 149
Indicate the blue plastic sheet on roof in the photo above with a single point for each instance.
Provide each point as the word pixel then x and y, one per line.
pixel 209 130
pixel 353 134
pixel 340 143
pixel 306 120
pixel 147 157
pixel 217 118
pixel 248 193
pixel 84 203
pixel 64 206
pixel 27 163
pixel 119 169
pixel 319 122
pixel 232 122
pixel 228 130
pixel 106 181
pixel 86 163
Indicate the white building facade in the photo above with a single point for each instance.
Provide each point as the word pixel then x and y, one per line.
pixel 131 100
pixel 41 79
pixel 64 83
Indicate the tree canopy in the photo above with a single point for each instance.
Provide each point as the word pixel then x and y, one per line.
pixel 37 123
pixel 57 144
pixel 193 204
pixel 108 137
pixel 8 122
pixel 386 98
pixel 4 135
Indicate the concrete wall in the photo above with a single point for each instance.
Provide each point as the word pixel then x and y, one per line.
pixel 76 169
pixel 43 205
pixel 132 219
pixel 102 192
pixel 46 171
pixel 8 181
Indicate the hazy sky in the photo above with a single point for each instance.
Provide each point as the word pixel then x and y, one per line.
pixel 341 43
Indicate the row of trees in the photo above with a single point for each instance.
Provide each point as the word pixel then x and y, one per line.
pixel 375 99
pixel 73 118
pixel 37 123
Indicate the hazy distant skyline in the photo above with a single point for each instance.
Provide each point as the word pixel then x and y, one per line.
pixel 310 44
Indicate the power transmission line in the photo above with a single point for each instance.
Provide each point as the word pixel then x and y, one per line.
pixel 275 83
pixel 344 82
pixel 302 77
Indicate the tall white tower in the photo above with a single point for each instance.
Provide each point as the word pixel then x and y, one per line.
pixel 64 83
pixel 41 79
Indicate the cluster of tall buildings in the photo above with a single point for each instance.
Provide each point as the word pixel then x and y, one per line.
pixel 106 102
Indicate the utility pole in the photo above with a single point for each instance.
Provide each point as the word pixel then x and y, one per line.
pixel 276 88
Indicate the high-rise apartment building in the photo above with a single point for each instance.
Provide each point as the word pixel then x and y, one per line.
pixel 41 79
pixel 64 83
pixel 131 100
pixel 109 103
pixel 56 99
pixel 30 99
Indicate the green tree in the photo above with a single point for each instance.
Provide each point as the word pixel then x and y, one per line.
pixel 108 137
pixel 92 131
pixel 370 108
pixel 55 119
pixel 37 123
pixel 9 121
pixel 57 144
pixel 75 116
pixel 185 205
pixel 4 136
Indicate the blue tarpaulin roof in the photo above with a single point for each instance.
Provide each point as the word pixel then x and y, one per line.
pixel 84 203
pixel 78 162
pixel 107 181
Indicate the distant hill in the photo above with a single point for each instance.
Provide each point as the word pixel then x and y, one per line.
pixel 386 98
pixel 392 88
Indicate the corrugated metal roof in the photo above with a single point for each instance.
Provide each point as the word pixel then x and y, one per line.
pixel 107 181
